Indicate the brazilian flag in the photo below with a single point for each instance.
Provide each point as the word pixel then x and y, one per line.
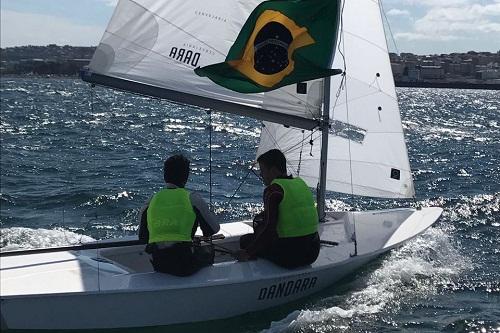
pixel 282 42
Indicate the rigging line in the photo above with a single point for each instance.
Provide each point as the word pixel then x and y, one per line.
pixel 98 252
pixel 367 95
pixel 276 144
pixel 284 151
pixel 297 145
pixel 241 183
pixel 341 49
pixel 367 84
pixel 177 27
pixel 300 154
pixel 98 266
pixel 415 202
pixel 92 110
pixel 107 106
pixel 347 116
pixel 98 243
pixel 210 127
pixel 388 26
pixel 306 103
pixel 275 140
pixel 294 146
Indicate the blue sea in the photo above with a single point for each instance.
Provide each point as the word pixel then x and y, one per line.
pixel 78 163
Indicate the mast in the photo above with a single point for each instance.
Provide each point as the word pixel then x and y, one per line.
pixel 325 123
pixel 323 165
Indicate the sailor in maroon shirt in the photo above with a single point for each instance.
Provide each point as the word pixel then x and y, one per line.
pixel 265 242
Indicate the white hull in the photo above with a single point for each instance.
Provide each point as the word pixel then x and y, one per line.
pixel 70 290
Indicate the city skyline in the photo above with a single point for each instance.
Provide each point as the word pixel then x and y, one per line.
pixel 417 26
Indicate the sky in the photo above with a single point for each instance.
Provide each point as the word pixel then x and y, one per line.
pixel 417 26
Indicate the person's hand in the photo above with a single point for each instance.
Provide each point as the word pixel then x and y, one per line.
pixel 242 255
pixel 259 217
pixel 257 221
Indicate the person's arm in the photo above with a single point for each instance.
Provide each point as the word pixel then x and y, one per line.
pixel 204 217
pixel 266 234
pixel 143 224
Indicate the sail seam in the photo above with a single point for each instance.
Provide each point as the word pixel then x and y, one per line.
pixel 367 41
pixel 179 28
pixel 289 149
pixel 373 189
pixel 362 162
pixel 366 83
pixel 303 101
pixel 169 60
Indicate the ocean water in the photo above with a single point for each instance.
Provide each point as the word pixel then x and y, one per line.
pixel 78 163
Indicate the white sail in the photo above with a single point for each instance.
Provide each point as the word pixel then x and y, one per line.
pixel 367 154
pixel 158 43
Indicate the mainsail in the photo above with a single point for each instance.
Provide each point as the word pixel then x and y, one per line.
pixel 366 150
pixel 153 46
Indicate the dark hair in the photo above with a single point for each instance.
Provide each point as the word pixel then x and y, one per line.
pixel 176 170
pixel 273 158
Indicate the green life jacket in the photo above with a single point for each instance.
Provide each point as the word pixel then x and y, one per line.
pixel 297 215
pixel 170 216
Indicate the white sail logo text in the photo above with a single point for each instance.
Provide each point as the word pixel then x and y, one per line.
pixel 186 56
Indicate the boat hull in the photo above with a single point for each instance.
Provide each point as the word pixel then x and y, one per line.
pixel 119 298
pixel 157 308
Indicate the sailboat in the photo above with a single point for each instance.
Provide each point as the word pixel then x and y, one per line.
pixel 340 133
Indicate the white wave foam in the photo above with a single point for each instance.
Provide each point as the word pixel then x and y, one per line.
pixel 27 238
pixel 104 198
pixel 415 270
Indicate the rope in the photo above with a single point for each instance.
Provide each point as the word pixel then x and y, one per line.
pixel 300 154
pixel 98 253
pixel 210 156
pixel 388 26
pixel 91 93
pixel 241 183
pixel 343 86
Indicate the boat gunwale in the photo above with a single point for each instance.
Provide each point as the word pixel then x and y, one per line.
pixel 209 284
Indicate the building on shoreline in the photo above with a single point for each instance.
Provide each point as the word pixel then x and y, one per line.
pixel 471 67
pixel 455 68
pixel 44 60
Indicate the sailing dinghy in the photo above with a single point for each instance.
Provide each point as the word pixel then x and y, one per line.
pixel 343 133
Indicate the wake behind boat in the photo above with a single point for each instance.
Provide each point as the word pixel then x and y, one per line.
pixel 341 133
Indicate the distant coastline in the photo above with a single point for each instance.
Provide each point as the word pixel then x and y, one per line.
pixel 409 70
pixel 446 85
pixel 450 85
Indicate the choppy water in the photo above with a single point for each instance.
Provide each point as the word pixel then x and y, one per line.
pixel 72 170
